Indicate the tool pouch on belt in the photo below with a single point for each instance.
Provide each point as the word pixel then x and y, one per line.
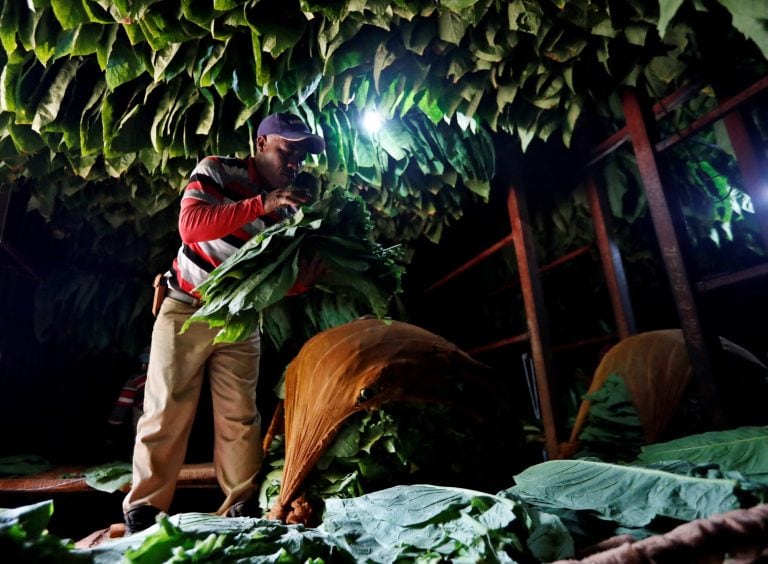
pixel 161 285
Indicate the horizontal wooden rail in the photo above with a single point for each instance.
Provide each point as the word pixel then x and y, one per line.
pixel 71 479
pixel 583 343
pixel 546 268
pixel 724 280
pixel 521 338
pixel 660 109
pixel 472 262
pixel 725 107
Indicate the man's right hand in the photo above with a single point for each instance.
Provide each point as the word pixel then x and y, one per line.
pixel 283 198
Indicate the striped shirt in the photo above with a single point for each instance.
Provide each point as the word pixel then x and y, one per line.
pixel 221 209
pixel 131 397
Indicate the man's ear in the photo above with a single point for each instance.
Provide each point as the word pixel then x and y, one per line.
pixel 261 142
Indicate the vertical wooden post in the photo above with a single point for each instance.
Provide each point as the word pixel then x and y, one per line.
pixel 669 236
pixel 610 257
pixel 535 312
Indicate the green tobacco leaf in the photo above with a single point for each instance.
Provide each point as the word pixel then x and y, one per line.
pixel 458 5
pixel 750 17
pixel 202 537
pixel 43 30
pixel 109 477
pixel 50 105
pixel 208 67
pixel 395 140
pixel 200 13
pixel 452 524
pixel 744 449
pixel 630 495
pixel 86 40
pixel 91 138
pixel 33 519
pixel 665 69
pixel 613 430
pixel 9 18
pixel 25 140
pixel 123 64
pixel 23 465
pixel 451 27
pixel 8 80
pixel 277 38
pixel 667 11
pixel 418 34
pixel 70 13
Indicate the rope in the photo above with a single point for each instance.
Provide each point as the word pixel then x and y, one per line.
pixel 742 534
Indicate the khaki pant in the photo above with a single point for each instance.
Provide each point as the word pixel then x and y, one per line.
pixel 177 364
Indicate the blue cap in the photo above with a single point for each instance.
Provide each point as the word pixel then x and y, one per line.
pixel 292 128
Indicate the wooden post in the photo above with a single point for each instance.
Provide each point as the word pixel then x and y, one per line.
pixel 610 257
pixel 535 312
pixel 669 235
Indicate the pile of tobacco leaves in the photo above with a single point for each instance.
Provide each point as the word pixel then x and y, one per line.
pixel 245 293
pixel 405 443
pixel 549 511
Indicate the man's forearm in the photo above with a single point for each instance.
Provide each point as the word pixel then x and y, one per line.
pixel 201 221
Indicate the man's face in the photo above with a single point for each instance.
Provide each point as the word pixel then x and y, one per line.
pixel 279 160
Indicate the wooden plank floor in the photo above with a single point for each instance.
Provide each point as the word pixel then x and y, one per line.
pixel 71 479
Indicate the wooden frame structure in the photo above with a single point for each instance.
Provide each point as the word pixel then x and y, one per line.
pixel 640 130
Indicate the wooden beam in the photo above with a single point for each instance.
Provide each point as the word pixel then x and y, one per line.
pixel 669 236
pixel 610 257
pixel 721 110
pixel 472 262
pixel 535 312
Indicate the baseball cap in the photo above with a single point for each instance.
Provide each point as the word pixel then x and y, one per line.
pixel 292 128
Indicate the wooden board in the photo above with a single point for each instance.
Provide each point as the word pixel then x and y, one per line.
pixel 72 479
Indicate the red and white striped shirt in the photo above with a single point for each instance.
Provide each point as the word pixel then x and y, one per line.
pixel 220 210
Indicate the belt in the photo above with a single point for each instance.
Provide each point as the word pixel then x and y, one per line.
pixel 183 297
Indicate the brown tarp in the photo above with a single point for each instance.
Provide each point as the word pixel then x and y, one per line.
pixel 656 370
pixel 359 366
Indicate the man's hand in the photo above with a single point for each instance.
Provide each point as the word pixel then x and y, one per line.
pixel 283 198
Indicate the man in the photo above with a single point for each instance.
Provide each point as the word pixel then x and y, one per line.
pixel 225 203
pixel 127 408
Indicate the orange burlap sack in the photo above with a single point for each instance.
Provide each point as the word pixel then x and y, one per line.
pixel 656 370
pixel 359 366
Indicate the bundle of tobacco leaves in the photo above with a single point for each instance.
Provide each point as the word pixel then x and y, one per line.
pixel 613 431
pixel 404 443
pixel 244 293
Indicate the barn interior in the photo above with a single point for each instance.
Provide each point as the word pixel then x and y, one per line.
pixel 572 190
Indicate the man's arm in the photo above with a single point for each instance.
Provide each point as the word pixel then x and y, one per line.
pixel 202 221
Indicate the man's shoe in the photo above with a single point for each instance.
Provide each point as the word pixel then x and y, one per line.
pixel 245 508
pixel 140 517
